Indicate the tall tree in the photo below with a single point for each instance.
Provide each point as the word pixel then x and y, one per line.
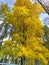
pixel 26 41
pixel 5 29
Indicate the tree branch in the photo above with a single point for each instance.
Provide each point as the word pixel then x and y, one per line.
pixel 44 6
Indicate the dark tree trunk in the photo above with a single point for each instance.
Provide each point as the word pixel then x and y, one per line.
pixel 22 61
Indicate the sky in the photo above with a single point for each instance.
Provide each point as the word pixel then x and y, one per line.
pixel 42 16
pixel 45 18
pixel 10 2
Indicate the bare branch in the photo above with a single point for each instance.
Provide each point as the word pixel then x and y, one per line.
pixel 45 5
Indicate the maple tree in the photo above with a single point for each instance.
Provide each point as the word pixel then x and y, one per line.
pixel 26 40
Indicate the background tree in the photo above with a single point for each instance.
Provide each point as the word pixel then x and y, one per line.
pixel 4 27
pixel 45 5
pixel 46 36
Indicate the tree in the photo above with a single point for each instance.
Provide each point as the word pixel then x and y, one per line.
pixel 44 4
pixel 26 41
pixel 4 27
pixel 46 36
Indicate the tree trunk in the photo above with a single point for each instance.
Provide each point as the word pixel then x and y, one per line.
pixel 22 61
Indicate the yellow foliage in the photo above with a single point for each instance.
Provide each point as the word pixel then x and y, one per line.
pixel 28 36
pixel 26 3
pixel 37 8
pixel 19 54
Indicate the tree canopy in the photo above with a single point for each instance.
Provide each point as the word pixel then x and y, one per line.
pixel 26 40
